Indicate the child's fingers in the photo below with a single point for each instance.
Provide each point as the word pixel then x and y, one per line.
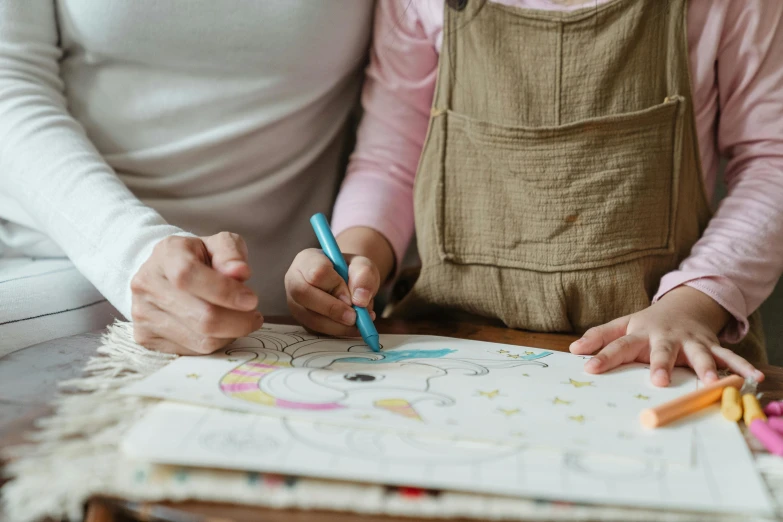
pixel 701 360
pixel 321 274
pixel 312 267
pixel 735 363
pixel 663 355
pixel 316 269
pixel 363 280
pixel 622 350
pixel 600 336
pixel 323 304
pixel 320 323
pixel 313 293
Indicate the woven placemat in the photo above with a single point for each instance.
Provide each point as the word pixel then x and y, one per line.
pixel 74 455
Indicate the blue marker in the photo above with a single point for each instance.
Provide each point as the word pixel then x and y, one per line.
pixel 332 251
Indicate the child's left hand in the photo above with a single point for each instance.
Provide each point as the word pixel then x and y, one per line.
pixel 680 329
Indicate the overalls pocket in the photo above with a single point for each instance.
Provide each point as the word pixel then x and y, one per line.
pixel 589 194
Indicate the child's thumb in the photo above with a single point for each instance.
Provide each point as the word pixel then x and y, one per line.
pixel 363 281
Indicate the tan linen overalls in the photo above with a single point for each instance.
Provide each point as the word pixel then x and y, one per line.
pixel 561 178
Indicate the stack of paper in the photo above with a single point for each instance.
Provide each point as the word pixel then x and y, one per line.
pixel 443 413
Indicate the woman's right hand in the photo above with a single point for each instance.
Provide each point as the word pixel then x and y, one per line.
pixel 189 297
pixel 321 301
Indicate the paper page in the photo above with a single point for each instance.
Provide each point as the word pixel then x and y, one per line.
pixel 433 385
pixel 722 479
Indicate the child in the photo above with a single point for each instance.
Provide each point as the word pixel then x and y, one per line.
pixel 566 173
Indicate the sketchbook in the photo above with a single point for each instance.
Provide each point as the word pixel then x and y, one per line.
pixel 429 385
pixel 721 479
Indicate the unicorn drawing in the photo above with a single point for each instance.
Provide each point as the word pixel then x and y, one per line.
pixel 297 371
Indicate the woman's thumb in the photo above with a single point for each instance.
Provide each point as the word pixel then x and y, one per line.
pixel 228 253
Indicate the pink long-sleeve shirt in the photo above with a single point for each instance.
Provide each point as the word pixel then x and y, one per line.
pixel 736 62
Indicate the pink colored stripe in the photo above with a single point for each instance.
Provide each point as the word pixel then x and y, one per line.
pixel 291 405
pixel 261 365
pixel 249 373
pixel 239 386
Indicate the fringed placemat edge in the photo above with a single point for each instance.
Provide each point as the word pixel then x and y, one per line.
pixel 74 454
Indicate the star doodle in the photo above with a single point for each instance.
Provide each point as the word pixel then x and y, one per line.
pixel 513 356
pixel 641 397
pixel 577 418
pixel 529 353
pixel 579 384
pixel 193 376
pixel 503 351
pixel 558 400
pixel 525 375
pixel 509 413
pixel 489 394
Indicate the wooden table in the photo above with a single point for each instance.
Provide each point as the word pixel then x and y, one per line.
pixel 118 510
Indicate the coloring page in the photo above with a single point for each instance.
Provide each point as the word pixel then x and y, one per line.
pixel 722 478
pixel 433 385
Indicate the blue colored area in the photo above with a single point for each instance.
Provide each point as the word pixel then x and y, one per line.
pixel 399 355
pixel 534 356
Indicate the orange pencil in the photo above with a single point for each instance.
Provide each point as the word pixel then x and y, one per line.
pixel 688 403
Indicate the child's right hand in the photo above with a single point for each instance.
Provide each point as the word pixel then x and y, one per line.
pixel 319 298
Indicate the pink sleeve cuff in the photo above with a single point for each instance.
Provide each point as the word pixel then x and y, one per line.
pixel 362 204
pixel 719 288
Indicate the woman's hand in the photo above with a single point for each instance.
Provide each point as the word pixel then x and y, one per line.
pixel 321 301
pixel 680 329
pixel 189 297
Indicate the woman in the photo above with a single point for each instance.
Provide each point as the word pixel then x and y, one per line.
pixel 132 133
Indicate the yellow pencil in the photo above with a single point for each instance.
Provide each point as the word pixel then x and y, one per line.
pixel 730 406
pixel 753 409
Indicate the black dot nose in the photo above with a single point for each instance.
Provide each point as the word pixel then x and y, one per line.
pixel 359 377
